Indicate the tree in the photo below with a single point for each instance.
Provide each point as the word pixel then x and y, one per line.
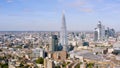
pixel 90 65
pixel 40 60
pixel 4 65
pixel 57 66
pixel 64 64
pixel 21 65
pixel 78 66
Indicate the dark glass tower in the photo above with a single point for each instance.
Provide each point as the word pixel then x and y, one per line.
pixel 53 46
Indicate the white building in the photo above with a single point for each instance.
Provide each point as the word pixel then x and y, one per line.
pixel 38 52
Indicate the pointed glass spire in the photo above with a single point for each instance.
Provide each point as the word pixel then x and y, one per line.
pixel 63 34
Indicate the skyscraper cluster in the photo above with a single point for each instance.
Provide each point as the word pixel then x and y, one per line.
pixel 110 32
pixel 102 34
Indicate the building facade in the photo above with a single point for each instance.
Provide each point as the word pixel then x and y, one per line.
pixel 53 45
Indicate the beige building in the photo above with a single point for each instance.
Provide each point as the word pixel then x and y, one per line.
pixel 48 63
pixel 58 55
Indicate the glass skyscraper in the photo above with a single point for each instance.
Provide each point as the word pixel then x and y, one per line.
pixel 63 34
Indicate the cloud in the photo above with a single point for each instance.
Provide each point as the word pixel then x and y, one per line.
pixel 88 10
pixel 9 1
pixel 77 3
pixel 81 5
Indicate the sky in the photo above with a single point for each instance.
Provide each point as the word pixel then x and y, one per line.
pixel 46 15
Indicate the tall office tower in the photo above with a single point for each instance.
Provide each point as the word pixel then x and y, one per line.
pixel 112 33
pixel 107 31
pixel 101 31
pixel 63 34
pixel 53 45
pixel 96 34
pixel 99 26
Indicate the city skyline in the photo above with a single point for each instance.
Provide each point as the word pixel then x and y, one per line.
pixel 81 15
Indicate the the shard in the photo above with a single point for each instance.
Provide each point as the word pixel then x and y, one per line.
pixel 63 34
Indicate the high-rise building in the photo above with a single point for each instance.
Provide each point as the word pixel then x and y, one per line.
pixel 112 33
pixel 96 34
pixel 99 32
pixel 63 34
pixel 53 45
